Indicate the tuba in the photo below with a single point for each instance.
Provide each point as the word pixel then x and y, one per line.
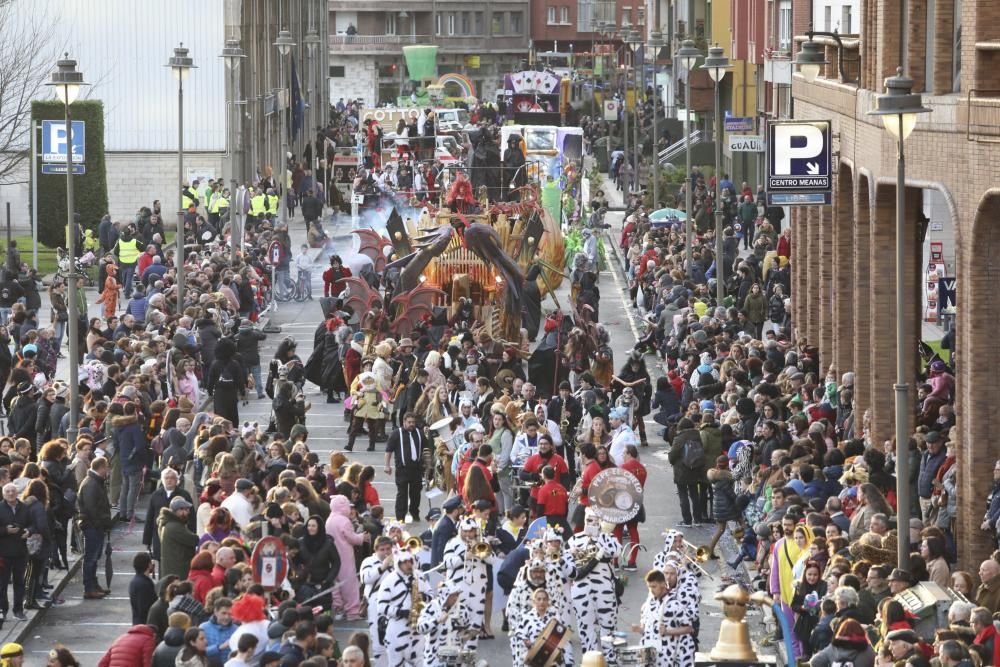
pixel 369 344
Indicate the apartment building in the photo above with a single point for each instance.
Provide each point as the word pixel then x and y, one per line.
pixel 844 266
pixel 481 41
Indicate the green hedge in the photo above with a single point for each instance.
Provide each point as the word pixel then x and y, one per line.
pixel 90 191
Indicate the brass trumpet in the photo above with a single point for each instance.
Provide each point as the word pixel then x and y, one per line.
pixel 480 550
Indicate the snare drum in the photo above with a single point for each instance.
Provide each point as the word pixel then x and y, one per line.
pixel 610 645
pixel 636 656
pixel 453 656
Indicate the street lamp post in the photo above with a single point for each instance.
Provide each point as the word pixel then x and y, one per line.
pixel 717 65
pixel 898 108
pixel 655 44
pixel 66 82
pixel 688 56
pixel 180 64
pixel 284 43
pixel 633 41
pixel 624 36
pixel 312 42
pixel 233 55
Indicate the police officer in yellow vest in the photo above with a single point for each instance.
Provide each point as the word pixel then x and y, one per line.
pixel 272 203
pixel 218 207
pixel 258 206
pixel 189 196
pixel 127 250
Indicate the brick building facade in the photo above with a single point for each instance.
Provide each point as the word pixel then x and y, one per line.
pixel 843 255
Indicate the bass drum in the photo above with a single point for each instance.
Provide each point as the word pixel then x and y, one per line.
pixel 549 645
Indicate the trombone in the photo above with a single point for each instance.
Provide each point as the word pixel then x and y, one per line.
pixel 701 555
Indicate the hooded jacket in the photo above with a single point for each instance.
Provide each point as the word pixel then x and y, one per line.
pixel 838 655
pixel 133 448
pixel 165 654
pixel 177 544
pixel 724 495
pixel 340 528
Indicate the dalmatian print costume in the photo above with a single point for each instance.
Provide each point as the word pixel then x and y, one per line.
pixel 592 595
pixel 673 610
pixel 669 553
pixel 470 575
pixel 527 631
pixel 442 627
pixel 372 575
pixel 394 601
pixel 519 602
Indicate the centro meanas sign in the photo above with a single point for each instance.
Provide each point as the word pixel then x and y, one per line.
pixel 799 163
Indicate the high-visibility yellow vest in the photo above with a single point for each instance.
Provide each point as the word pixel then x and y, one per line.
pixel 272 203
pixel 257 205
pixel 186 201
pixel 219 203
pixel 128 251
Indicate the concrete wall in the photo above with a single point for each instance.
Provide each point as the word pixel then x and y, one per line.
pixel 134 180
pixel 360 78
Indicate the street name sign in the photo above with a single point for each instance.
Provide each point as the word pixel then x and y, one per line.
pixel 799 163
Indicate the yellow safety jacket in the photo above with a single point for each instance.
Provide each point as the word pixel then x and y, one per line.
pixel 220 202
pixel 128 251
pixel 258 205
pixel 272 203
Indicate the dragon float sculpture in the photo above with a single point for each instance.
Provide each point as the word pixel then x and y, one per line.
pixel 468 248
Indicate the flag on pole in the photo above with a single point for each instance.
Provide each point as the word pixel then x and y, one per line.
pixel 298 105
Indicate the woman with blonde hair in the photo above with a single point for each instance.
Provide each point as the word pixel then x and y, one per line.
pixel 432 364
pixel 870 502
pixel 227 471
pixel 597 434
pixel 306 495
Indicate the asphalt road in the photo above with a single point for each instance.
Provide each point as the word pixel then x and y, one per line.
pixel 88 627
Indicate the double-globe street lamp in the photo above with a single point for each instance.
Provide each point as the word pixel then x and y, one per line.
pixel 180 64
pixel 717 64
pixel 688 56
pixel 66 81
pixel 899 108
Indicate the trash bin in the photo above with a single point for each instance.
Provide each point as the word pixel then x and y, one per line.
pixel 602 154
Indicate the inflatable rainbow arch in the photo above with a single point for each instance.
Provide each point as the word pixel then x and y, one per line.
pixel 463 82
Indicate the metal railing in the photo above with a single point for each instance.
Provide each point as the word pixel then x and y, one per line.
pixel 982 120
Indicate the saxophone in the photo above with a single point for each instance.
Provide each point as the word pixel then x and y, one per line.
pixel 416 603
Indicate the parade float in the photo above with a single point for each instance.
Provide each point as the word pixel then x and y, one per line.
pixel 471 248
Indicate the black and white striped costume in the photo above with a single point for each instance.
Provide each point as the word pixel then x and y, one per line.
pixel 469 573
pixel 670 611
pixel 528 630
pixel 402 643
pixel 441 627
pixel 592 594
pixel 669 553
pixel 372 575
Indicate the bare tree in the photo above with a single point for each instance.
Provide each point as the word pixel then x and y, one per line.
pixel 27 58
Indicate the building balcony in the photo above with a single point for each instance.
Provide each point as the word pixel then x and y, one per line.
pixel 376 44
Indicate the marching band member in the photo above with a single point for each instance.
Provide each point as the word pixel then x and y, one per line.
pixel 531 627
pixel 558 573
pixel 593 594
pixel 531 578
pixel 547 425
pixel 395 602
pixel 374 570
pixel 545 456
pixel 470 574
pixel 621 434
pixel 526 442
pixel 673 547
pixel 667 619
pixel 442 622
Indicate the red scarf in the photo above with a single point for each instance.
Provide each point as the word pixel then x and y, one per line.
pixel 988 633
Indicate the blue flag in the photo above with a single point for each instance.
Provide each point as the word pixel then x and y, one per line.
pixel 298 105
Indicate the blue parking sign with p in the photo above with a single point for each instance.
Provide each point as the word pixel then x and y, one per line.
pixel 54 141
pixel 799 163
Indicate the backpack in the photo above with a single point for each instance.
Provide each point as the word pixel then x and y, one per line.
pixel 705 379
pixel 693 455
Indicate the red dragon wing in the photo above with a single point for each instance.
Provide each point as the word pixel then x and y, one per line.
pixel 413 305
pixel 360 297
pixel 372 245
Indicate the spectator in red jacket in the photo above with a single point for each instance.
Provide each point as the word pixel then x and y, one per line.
pixel 545 456
pixel 333 278
pixel 132 649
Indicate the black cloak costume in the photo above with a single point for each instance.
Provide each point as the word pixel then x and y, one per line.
pixel 513 161
pixel 531 303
